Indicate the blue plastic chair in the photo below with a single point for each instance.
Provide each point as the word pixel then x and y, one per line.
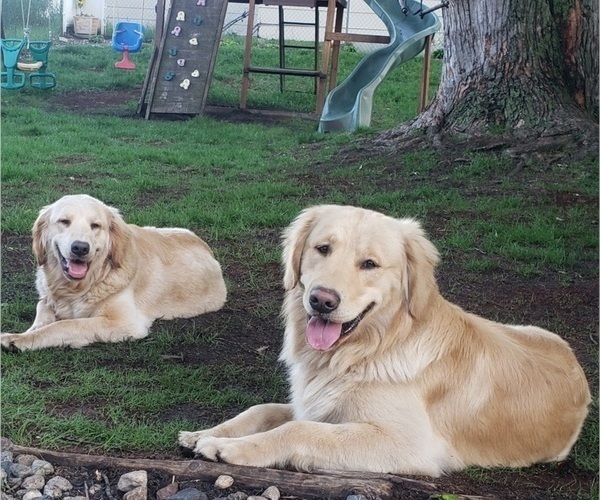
pixel 127 38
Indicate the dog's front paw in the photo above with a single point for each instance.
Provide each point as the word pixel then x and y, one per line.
pixel 188 440
pixel 8 341
pixel 238 451
pixel 208 449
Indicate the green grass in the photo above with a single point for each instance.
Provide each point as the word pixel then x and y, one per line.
pixel 120 392
pixel 90 67
pixel 238 186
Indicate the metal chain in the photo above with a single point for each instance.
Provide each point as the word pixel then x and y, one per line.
pixel 26 23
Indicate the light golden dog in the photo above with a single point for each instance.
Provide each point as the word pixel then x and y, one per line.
pixel 102 280
pixel 387 376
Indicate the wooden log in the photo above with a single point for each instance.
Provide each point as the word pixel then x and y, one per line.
pixel 319 484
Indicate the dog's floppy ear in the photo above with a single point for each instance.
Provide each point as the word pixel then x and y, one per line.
pixel 38 235
pixel 120 237
pixel 418 280
pixel 294 238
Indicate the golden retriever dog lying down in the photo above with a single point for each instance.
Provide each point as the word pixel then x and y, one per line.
pixel 102 280
pixel 387 376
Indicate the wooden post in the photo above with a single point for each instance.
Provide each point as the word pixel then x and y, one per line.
pixel 326 56
pixel 158 33
pixel 247 54
pixel 160 22
pixel 335 56
pixel 426 73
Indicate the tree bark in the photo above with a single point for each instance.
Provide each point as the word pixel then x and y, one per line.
pixel 578 35
pixel 516 66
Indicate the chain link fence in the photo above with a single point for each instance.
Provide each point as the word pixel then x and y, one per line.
pixel 49 19
pixel 58 17
pixel 359 18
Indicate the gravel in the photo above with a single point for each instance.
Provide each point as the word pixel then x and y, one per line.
pixel 25 477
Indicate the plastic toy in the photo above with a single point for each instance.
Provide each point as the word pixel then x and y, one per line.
pixel 39 78
pixel 11 78
pixel 127 38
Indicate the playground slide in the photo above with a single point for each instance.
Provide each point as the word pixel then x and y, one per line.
pixel 348 106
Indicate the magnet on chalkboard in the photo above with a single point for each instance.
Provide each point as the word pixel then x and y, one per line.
pixel 176 30
pixel 181 62
pixel 185 84
pixel 195 73
pixel 197 21
pixel 172 52
pixel 194 41
pixel 169 76
pixel 180 16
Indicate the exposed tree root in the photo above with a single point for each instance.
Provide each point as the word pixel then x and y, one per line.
pixel 571 140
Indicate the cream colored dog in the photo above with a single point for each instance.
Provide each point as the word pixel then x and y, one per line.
pixel 102 280
pixel 387 376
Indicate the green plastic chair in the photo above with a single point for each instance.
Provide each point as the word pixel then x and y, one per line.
pixel 41 79
pixel 11 78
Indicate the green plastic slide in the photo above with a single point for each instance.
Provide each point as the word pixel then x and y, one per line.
pixel 349 105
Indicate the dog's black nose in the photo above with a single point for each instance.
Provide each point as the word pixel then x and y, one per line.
pixel 323 300
pixel 80 248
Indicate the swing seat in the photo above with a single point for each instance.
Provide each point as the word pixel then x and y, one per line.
pixel 29 66
pixel 127 37
pixel 40 78
pixel 11 49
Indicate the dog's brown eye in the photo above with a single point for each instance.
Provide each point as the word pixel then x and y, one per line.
pixel 369 264
pixel 64 222
pixel 323 249
pixel 94 226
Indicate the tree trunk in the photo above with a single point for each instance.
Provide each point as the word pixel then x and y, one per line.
pixel 516 66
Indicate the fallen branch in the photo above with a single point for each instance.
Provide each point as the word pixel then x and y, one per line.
pixel 315 485
pixel 107 489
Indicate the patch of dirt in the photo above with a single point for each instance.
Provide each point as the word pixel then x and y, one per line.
pixel 118 102
pixel 250 330
pixel 115 102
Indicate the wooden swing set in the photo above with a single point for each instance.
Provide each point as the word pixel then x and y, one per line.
pixel 171 89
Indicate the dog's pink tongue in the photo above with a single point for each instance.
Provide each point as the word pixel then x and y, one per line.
pixel 77 270
pixel 321 334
